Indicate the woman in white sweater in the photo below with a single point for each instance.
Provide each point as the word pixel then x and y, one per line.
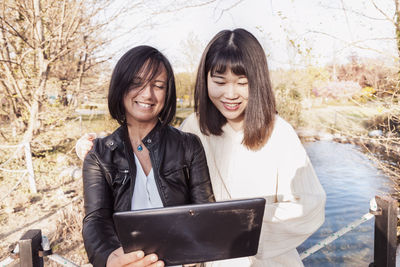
pixel 251 151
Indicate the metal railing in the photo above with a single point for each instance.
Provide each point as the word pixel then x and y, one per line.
pixel 28 162
pixel 33 247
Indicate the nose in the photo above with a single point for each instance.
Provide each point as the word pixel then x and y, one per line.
pixel 146 91
pixel 230 91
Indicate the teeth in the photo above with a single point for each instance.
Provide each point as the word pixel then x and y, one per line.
pixel 144 105
pixel 231 105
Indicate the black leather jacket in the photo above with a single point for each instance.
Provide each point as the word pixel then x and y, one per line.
pixel 109 170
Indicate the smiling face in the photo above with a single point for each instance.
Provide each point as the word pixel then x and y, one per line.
pixel 229 93
pixel 145 99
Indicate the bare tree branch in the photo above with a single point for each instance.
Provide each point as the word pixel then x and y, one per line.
pixel 186 6
pixel 228 8
pixel 16 32
pixel 357 43
pixel 384 14
pixel 354 12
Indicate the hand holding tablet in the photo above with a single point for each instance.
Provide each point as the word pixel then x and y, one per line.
pixel 194 233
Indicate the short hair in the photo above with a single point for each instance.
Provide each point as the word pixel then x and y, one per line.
pixel 239 51
pixel 140 59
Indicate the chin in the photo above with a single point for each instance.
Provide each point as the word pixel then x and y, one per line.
pixel 230 116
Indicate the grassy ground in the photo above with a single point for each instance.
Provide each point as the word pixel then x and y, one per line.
pixel 347 119
pixel 57 207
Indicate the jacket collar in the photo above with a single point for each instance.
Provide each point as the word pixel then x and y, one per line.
pixel 121 135
pixel 150 140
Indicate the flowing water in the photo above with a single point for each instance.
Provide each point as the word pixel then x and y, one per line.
pixel 350 180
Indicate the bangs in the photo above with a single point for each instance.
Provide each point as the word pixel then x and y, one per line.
pixel 228 59
pixel 150 69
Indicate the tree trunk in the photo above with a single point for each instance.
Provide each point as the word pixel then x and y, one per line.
pixel 397 25
pixel 33 124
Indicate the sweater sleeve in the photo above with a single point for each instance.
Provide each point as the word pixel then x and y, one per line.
pixel 298 208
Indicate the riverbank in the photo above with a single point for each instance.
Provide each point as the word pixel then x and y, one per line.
pixel 374 128
pixel 57 208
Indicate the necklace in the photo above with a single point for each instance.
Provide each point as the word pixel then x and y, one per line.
pixel 139 147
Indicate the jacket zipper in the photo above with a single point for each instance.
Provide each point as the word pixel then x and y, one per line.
pixel 125 176
pixel 186 170
pixel 133 178
pixel 157 179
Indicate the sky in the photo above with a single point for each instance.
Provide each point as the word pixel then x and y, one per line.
pixel 294 33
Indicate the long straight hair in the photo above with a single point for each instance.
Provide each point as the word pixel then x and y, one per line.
pixel 240 52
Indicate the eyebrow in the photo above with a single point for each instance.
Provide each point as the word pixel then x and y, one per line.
pixel 223 77
pixel 217 76
pixel 140 79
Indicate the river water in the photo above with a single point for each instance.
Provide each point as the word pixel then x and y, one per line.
pixel 350 180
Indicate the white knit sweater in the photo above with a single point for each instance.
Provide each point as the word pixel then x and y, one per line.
pixel 280 172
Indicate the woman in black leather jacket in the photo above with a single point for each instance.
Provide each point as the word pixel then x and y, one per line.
pixel 145 163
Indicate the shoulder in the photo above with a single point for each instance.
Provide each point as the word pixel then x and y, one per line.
pixel 191 124
pixel 111 142
pixel 179 134
pixel 282 128
pixel 285 142
pixel 283 135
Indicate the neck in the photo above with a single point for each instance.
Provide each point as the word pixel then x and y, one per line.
pixel 137 130
pixel 236 125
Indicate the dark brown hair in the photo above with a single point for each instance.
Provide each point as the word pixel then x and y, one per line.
pixel 239 51
pixel 140 59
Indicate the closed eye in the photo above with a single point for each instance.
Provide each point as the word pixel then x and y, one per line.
pixel 160 86
pixel 219 82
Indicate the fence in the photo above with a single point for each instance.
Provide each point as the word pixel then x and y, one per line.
pixel 29 166
pixel 32 246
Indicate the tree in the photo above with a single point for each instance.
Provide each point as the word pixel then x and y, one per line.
pixel 191 52
pixel 185 82
pixel 56 42
pixel 59 48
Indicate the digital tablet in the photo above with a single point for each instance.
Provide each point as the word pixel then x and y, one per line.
pixel 193 233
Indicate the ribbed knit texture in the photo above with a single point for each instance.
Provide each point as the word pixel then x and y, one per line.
pixel 280 172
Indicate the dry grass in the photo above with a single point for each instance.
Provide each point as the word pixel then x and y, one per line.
pixel 67 240
pixel 350 120
pixel 52 209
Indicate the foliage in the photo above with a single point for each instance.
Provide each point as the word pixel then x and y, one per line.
pixel 185 82
pixel 300 79
pixel 191 50
pixel 48 49
pixel 368 91
pixel 293 88
pixel 368 72
pixel 288 101
pixel 337 89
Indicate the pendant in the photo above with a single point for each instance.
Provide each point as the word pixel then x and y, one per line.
pixel 139 148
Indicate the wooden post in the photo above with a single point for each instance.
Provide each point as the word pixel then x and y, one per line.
pixel 29 246
pixel 29 167
pixel 385 233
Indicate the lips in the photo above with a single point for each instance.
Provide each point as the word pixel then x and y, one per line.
pixel 231 106
pixel 143 105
